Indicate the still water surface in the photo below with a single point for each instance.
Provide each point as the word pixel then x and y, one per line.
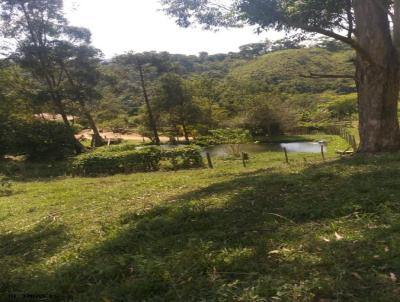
pixel 300 147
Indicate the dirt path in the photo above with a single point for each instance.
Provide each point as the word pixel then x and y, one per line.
pixel 129 137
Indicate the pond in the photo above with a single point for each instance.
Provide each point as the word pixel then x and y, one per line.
pixel 226 150
pixel 300 147
pixel 254 148
pixel 305 147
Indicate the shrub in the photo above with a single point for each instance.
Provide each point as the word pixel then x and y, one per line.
pixel 147 159
pixel 117 148
pixel 8 137
pixel 77 128
pixel 41 140
pixel 183 157
pixel 340 107
pixel 225 136
pixel 38 140
pixel 113 162
pixel 207 140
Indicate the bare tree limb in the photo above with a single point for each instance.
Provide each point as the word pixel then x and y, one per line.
pixel 353 43
pixel 350 19
pixel 327 76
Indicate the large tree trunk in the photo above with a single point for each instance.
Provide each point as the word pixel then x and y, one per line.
pixel 378 91
pixel 377 79
pixel 79 148
pixel 185 132
pixel 43 60
pixel 97 139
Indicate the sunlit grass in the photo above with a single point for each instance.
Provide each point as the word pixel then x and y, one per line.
pixel 307 231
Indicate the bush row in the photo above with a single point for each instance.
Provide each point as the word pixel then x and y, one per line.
pixel 225 136
pixel 183 157
pixel 109 162
pixel 117 148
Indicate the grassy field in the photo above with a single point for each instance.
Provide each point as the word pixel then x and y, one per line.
pixel 312 230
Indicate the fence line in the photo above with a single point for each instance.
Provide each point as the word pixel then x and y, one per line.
pixel 345 134
pixel 340 130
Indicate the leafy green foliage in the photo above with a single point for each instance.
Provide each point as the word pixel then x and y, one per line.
pixel 276 14
pixel 267 94
pixel 225 136
pixel 58 56
pixel 183 157
pixel 231 136
pixel 175 104
pixel 283 71
pixel 340 107
pixel 292 14
pixel 129 159
pixel 113 162
pixel 45 140
pixel 38 140
pixel 117 148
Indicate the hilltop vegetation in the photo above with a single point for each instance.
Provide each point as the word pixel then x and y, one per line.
pixel 268 92
pixel 226 89
pixel 284 71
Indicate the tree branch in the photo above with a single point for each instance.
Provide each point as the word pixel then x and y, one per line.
pixel 350 19
pixel 353 43
pixel 220 6
pixel 328 76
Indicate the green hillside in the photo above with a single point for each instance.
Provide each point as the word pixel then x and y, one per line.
pixel 283 70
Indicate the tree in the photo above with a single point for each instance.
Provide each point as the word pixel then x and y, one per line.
pixel 266 114
pixel 207 96
pixel 252 50
pixel 79 65
pixel 17 93
pixel 331 44
pixel 40 28
pixel 141 61
pixel 365 25
pixel 176 100
pixel 290 42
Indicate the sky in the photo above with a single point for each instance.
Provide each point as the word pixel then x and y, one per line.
pixel 119 26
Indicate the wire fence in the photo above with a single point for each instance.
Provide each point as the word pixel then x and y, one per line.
pixel 345 134
pixel 341 130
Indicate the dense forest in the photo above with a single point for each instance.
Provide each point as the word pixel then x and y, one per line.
pixel 268 88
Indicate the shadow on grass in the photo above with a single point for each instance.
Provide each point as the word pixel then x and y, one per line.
pixel 27 171
pixel 328 233
pixel 19 251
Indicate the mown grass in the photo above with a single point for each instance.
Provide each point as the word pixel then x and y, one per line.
pixel 307 231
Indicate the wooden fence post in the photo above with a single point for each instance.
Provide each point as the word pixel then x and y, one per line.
pixel 322 151
pixel 245 157
pixel 210 164
pixel 286 155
